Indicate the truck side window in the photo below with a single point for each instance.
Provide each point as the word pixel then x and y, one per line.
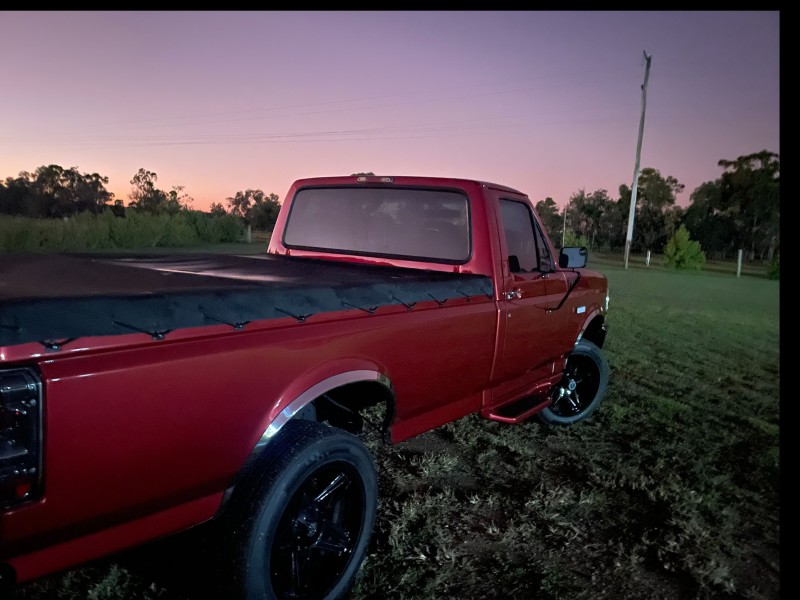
pixel 518 226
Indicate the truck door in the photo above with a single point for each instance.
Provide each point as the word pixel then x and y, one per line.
pixel 531 288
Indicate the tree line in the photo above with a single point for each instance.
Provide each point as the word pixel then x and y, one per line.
pixel 738 210
pixel 53 192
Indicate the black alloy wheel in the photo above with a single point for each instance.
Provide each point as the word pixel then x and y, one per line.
pixel 582 386
pixel 318 532
pixel 299 522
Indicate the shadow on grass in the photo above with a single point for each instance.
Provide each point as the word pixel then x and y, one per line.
pixel 179 567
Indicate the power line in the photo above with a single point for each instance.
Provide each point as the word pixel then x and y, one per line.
pixel 185 120
pixel 443 129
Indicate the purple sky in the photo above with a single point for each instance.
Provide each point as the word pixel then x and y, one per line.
pixel 546 102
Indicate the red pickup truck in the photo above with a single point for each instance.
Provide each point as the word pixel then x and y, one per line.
pixel 141 396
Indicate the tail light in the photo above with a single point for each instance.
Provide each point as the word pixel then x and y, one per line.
pixel 20 436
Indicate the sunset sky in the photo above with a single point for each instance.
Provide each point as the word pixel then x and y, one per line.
pixel 546 102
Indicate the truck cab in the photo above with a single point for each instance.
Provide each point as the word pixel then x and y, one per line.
pixel 546 300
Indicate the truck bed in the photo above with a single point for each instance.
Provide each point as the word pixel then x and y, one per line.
pixel 54 298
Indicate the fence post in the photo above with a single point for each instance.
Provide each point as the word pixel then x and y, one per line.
pixel 647 260
pixel 248 234
pixel 739 264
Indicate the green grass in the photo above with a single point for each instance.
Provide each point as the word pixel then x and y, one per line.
pixel 658 262
pixel 670 491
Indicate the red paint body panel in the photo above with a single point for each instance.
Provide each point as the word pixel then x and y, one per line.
pixel 61 555
pixel 142 437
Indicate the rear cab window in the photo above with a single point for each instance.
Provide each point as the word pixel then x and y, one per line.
pixel 405 223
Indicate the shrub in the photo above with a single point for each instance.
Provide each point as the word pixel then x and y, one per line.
pixel 230 228
pixel 774 271
pixel 212 229
pixel 573 239
pixel 138 229
pixel 179 231
pixel 86 231
pixel 683 253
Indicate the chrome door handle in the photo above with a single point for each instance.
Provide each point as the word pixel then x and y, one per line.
pixel 513 294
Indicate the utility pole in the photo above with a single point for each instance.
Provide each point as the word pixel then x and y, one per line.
pixel 635 187
pixel 564 229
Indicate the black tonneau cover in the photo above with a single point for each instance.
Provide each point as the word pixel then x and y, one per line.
pixel 54 298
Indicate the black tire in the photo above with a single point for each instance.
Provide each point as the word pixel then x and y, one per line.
pixel 581 388
pixel 299 525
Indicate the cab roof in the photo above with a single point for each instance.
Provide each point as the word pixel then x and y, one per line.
pixel 402 180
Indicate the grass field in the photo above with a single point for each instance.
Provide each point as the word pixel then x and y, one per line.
pixel 670 491
pixel 658 262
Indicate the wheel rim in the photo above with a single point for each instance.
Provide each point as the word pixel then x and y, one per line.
pixel 318 532
pixel 578 388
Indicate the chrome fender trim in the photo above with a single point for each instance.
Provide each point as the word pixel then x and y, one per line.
pixel 314 392
pixel 595 312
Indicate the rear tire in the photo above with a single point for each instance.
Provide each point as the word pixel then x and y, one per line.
pixel 299 525
pixel 581 388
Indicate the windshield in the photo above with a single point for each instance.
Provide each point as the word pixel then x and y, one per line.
pixel 393 222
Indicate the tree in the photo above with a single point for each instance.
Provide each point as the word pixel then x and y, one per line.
pixel 54 192
pixel 586 212
pixel 145 195
pixel 708 222
pixel 750 195
pixel 741 209
pixel 242 203
pixel 547 210
pixel 681 252
pixel 613 226
pixel 265 213
pixel 217 209
pixel 257 209
pixel 655 196
pixel 673 218
pixel 177 200
pixel 15 196
pixel 118 208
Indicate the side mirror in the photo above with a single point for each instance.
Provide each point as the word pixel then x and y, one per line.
pixel 572 257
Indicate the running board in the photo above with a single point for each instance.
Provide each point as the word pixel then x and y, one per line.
pixel 517 410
